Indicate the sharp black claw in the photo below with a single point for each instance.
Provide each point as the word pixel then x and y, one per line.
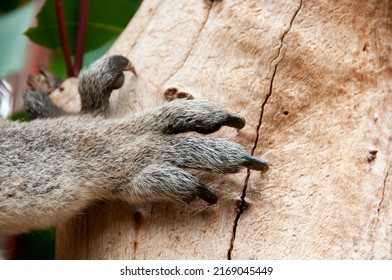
pixel 206 194
pixel 234 121
pixel 255 163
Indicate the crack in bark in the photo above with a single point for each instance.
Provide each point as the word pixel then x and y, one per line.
pixel 150 221
pixel 152 15
pixel 377 218
pixel 274 65
pixel 211 3
pixel 383 192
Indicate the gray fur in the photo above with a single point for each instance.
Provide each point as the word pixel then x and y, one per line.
pixel 96 83
pixel 50 169
pixel 39 105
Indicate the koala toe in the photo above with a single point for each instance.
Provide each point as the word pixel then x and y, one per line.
pixel 211 154
pixel 206 194
pixel 195 115
pixel 166 181
pixel 186 116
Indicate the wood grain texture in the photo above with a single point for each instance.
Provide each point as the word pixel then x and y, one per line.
pixel 313 81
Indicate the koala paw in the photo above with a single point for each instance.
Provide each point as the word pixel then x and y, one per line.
pixel 39 105
pixel 165 153
pixel 96 83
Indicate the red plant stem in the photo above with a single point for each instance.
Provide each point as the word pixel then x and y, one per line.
pixel 64 38
pixel 82 35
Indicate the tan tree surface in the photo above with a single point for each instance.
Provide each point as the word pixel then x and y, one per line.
pixel 313 80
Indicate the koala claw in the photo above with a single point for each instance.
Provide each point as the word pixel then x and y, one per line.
pixel 206 194
pixel 234 120
pixel 231 120
pixel 255 163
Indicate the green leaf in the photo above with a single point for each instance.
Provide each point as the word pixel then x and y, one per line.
pixel 12 43
pixel 20 116
pixel 39 244
pixel 9 5
pixel 107 19
pixel 57 65
pixel 93 55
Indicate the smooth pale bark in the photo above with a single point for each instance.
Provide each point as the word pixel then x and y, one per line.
pixel 314 82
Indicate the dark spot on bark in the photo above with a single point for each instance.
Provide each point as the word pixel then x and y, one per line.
pixel 372 155
pixel 137 217
pixel 365 47
pixel 170 93
pixel 245 206
pixel 134 245
pixel 238 203
pixel 213 1
pixel 285 113
pixel 241 206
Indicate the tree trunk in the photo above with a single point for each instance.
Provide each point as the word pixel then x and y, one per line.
pixel 313 80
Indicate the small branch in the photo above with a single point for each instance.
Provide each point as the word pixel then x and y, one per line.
pixel 82 35
pixel 64 38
